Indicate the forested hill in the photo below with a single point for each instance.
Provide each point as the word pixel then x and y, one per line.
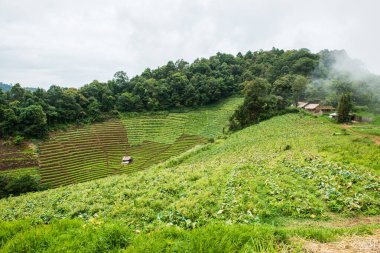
pixel 5 87
pixel 175 85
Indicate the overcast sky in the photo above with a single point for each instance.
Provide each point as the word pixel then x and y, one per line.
pixel 72 42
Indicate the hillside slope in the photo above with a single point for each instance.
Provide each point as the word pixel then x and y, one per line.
pixel 291 166
pixel 95 151
pixel 206 122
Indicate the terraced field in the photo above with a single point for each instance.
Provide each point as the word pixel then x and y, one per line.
pixel 83 154
pixel 17 160
pixel 149 153
pixel 157 137
pixel 207 122
pixel 95 151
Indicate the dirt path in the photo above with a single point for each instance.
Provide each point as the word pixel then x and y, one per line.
pixel 349 244
pixel 353 244
pixel 374 138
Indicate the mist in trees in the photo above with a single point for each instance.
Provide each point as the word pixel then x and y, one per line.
pixel 329 78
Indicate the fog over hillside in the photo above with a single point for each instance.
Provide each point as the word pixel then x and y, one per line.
pixel 354 69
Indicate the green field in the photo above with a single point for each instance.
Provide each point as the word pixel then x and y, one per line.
pixel 206 122
pixel 95 151
pixel 371 128
pixel 254 191
pixel 83 154
pixel 367 129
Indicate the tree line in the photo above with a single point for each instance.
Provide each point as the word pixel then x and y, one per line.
pixel 329 78
pixel 273 79
pixel 174 85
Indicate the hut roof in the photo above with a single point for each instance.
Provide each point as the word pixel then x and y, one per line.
pixel 301 104
pixel 311 106
pixel 127 158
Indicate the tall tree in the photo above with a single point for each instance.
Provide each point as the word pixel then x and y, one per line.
pixel 33 118
pixel 259 104
pixel 299 87
pixel 344 108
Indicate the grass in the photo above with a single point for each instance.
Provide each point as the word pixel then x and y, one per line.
pixel 63 236
pixel 372 128
pixel 224 196
pixel 33 171
pixel 94 236
pixel 149 153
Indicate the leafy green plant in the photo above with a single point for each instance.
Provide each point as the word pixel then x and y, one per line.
pixel 17 140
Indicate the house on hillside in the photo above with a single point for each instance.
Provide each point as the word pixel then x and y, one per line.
pixel 315 108
pixel 126 160
pixel 301 104
pixel 327 109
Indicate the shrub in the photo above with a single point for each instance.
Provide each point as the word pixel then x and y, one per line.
pixel 17 185
pixel 18 140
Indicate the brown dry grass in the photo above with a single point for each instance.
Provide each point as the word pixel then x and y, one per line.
pixel 353 244
pixel 336 221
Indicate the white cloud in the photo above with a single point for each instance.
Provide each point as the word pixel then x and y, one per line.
pixel 73 42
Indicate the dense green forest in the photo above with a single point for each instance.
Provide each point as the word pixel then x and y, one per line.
pixel 270 81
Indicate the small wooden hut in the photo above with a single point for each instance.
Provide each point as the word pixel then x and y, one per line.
pixel 126 160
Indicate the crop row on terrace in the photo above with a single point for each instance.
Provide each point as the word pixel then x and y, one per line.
pixel 95 151
pixel 149 153
pixel 83 154
pixel 207 122
pixel 14 158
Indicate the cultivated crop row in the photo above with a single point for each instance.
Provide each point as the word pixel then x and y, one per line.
pixel 16 159
pixel 208 122
pixel 95 151
pixel 83 154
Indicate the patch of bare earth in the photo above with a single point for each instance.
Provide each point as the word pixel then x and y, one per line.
pixel 336 221
pixel 349 244
pixel 353 244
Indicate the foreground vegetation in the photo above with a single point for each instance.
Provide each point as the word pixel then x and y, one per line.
pixel 237 193
pixel 78 236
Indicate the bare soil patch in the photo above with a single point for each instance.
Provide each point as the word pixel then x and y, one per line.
pixel 353 244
